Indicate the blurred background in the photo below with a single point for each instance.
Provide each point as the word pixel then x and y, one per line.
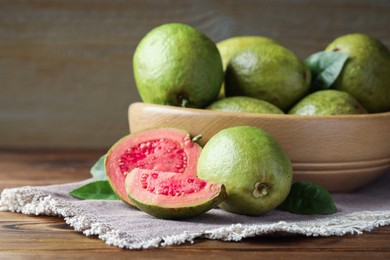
pixel 66 77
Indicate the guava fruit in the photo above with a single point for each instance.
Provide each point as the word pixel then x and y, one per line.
pixel 268 72
pixel 328 102
pixel 255 170
pixel 175 64
pixel 230 46
pixel 160 149
pixel 365 74
pixel 244 104
pixel 169 195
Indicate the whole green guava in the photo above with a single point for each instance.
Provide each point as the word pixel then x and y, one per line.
pixel 255 170
pixel 175 64
pixel 231 46
pixel 328 102
pixel 244 105
pixel 366 74
pixel 268 72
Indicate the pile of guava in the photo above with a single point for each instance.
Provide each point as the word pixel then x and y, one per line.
pixel 241 169
pixel 175 64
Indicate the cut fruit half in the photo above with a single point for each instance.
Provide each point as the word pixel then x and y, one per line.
pixel 169 195
pixel 161 149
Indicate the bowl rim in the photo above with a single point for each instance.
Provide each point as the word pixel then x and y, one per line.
pixel 381 115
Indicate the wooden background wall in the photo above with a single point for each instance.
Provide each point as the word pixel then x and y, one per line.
pixel 65 66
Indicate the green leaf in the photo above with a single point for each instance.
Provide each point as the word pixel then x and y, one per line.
pixel 98 170
pixel 325 67
pixel 98 190
pixel 308 198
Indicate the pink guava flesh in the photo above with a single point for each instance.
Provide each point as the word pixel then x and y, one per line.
pixel 162 149
pixel 158 154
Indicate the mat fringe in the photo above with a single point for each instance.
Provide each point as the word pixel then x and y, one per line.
pixel 31 201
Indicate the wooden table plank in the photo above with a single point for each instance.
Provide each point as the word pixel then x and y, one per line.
pixel 46 237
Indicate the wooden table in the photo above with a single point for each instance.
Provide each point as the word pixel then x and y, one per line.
pixel 44 237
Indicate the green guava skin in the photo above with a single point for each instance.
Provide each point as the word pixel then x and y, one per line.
pixel 366 72
pixel 176 62
pixel 231 46
pixel 247 161
pixel 328 102
pixel 268 72
pixel 244 105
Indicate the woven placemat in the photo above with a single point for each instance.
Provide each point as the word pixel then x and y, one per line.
pixel 121 225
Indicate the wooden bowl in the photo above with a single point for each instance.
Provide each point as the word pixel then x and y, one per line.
pixel 341 153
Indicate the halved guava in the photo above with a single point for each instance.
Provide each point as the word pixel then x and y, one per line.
pixel 169 195
pixel 161 149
